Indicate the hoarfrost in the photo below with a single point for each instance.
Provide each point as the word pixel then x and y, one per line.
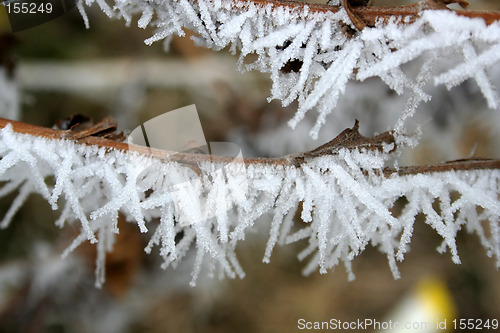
pixel 343 208
pixel 346 203
pixel 310 57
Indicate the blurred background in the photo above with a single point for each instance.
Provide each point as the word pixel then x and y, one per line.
pixel 60 68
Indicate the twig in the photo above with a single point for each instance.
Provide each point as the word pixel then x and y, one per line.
pixel 369 15
pixel 355 19
pixel 458 165
pixel 349 138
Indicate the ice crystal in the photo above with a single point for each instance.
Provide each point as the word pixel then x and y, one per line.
pixel 309 55
pixel 346 202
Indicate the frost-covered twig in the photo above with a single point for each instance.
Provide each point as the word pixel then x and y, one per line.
pixel 102 135
pixel 346 197
pixel 312 51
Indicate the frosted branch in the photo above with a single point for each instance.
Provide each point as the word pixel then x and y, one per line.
pixel 312 51
pixel 345 192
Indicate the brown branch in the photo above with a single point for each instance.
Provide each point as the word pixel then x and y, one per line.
pixel 458 165
pixel 349 138
pixel 103 142
pixel 370 15
pixel 358 22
